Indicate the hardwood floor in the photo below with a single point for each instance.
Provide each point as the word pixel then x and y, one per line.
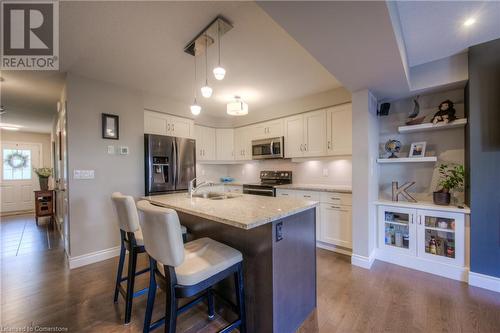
pixel 37 289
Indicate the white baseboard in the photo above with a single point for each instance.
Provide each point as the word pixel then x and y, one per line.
pixel 484 281
pixel 333 248
pixel 362 261
pixel 93 257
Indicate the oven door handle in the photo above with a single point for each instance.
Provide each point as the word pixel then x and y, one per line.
pixel 258 190
pixel 272 145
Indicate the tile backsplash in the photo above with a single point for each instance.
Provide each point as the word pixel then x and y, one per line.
pixel 331 171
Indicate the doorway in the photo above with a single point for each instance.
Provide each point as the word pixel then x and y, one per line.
pixel 18 179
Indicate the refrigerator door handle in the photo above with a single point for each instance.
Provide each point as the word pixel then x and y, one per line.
pixel 174 164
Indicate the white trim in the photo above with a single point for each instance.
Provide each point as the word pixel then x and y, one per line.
pixel 484 281
pixel 333 248
pixel 362 261
pixel 93 257
pixel 425 265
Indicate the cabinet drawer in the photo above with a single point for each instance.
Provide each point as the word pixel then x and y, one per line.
pixel 308 195
pixel 337 198
pixel 286 193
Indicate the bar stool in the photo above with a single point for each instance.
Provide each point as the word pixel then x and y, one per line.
pixel 131 240
pixel 185 270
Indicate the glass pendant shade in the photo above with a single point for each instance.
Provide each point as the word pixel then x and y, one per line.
pixel 195 108
pixel 237 107
pixel 219 73
pixel 206 91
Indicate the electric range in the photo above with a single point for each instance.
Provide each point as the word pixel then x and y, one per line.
pixel 268 182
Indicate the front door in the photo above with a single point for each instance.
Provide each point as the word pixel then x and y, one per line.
pixel 18 179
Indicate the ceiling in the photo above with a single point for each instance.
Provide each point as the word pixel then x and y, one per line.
pixel 141 46
pixel 434 29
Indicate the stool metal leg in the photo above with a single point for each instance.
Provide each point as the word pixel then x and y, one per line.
pixel 210 301
pixel 240 297
pixel 171 308
pixel 151 296
pixel 120 270
pixel 132 263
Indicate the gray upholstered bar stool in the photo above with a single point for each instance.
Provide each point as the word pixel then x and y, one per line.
pixel 186 270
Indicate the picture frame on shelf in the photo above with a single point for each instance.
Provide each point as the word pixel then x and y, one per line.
pixel 110 126
pixel 417 149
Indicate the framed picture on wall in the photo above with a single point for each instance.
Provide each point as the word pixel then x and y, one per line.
pixel 110 126
pixel 417 149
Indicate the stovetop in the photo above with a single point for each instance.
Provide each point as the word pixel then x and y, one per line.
pixel 273 178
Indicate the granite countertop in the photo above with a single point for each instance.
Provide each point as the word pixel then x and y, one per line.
pixel 243 211
pixel 317 187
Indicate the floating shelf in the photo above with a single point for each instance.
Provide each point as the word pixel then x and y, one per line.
pixel 407 159
pixel 431 127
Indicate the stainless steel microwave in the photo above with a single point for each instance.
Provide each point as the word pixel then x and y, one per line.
pixel 268 148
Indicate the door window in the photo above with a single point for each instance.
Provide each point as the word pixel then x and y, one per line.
pixel 16 164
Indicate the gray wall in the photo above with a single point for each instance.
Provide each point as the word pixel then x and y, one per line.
pixel 447 145
pixel 484 157
pixel 92 220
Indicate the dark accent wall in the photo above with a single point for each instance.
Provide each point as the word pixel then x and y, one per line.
pixel 483 141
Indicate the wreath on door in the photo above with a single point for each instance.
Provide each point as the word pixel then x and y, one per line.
pixel 17 160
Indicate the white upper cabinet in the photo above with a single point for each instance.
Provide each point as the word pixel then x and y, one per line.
pixel 205 143
pixel 164 124
pixel 242 144
pixel 294 136
pixel 269 129
pixel 339 130
pixel 315 133
pixel 305 134
pixel 225 144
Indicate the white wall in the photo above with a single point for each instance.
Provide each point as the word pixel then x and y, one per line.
pixel 93 224
pixel 365 176
pixel 448 146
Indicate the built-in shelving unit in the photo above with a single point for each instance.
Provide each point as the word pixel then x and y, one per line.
pixel 431 127
pixel 407 159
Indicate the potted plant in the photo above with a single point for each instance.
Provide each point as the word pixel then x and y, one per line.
pixel 452 177
pixel 43 177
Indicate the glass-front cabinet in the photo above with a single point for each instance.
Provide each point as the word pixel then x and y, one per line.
pixel 441 236
pixel 397 230
pixel 428 234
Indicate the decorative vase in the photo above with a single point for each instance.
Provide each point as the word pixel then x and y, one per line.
pixel 44 183
pixel 441 198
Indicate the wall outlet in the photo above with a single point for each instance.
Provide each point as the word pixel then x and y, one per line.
pixel 111 150
pixel 325 172
pixel 124 150
pixel 83 174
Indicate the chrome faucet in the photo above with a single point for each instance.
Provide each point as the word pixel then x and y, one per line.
pixel 192 189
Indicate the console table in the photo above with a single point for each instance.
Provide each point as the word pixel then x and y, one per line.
pixel 44 204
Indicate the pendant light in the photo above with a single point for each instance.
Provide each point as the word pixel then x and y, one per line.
pixel 237 107
pixel 195 107
pixel 206 91
pixel 219 71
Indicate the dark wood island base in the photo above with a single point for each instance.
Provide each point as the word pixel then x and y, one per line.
pixel 279 267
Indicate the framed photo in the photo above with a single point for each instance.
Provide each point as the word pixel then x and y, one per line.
pixel 110 126
pixel 417 149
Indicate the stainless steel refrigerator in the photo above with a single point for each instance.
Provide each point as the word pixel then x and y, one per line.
pixel 170 163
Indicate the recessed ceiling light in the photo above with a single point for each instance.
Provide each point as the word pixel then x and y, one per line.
pixel 470 21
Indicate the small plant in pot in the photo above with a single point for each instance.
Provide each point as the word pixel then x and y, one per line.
pixel 43 177
pixel 452 177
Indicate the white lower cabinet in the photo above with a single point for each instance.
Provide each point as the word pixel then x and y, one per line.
pixel 333 217
pixel 429 236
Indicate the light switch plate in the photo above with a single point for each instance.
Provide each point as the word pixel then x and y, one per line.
pixel 83 174
pixel 123 150
pixel 111 150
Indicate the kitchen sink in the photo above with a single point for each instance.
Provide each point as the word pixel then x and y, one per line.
pixel 216 195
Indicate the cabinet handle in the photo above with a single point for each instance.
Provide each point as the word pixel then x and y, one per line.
pixel 301 149
pixel 307 196
pixel 329 145
pixel 305 147
pixel 335 198
pixel 335 207
pixel 420 219
pixel 411 219
pixel 284 194
pixel 168 127
pixel 173 128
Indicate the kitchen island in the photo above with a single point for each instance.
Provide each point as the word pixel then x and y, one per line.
pixel 277 238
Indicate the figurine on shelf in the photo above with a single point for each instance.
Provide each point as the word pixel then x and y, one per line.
pixel 393 146
pixel 412 117
pixel 445 114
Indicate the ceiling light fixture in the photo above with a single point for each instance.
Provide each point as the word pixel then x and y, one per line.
pixel 206 91
pixel 470 21
pixel 237 107
pixel 195 107
pixel 219 71
pixel 2 110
